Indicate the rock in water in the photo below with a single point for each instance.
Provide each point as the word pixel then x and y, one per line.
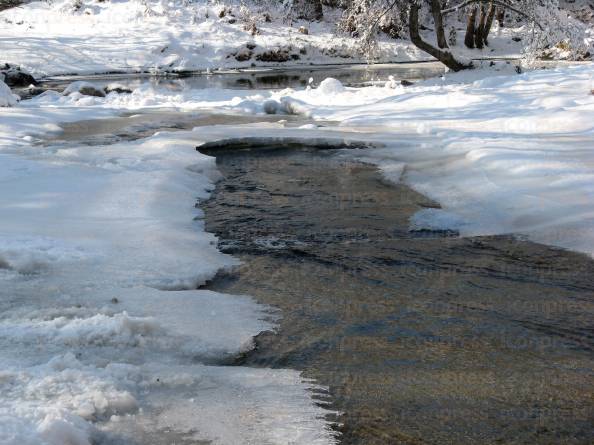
pixel 85 88
pixel 116 88
pixel 15 77
pixel 271 106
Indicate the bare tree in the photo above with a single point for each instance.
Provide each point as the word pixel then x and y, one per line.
pixel 549 25
pixel 470 27
pixel 438 20
pixel 489 23
pixel 445 57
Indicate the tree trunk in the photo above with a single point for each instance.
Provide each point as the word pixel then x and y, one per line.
pixel 470 28
pixel 479 33
pixel 500 16
pixel 489 23
pixel 438 21
pixel 445 57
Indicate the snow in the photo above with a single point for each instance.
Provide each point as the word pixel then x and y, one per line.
pixel 331 86
pixel 103 335
pixel 86 37
pixel 7 99
pixel 131 36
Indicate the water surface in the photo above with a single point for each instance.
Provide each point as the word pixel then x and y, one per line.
pixel 421 337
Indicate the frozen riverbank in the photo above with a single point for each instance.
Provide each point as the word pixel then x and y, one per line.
pixel 103 337
pixel 102 245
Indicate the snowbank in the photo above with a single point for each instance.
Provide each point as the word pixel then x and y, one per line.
pixel 86 37
pixel 103 335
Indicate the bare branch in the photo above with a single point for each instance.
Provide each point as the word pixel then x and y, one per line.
pixel 495 2
pixel 388 9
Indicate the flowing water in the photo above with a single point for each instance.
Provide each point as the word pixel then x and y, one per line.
pixel 296 77
pixel 421 337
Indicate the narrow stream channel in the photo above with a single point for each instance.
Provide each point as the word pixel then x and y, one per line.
pixel 422 338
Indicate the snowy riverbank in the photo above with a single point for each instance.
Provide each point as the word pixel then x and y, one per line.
pixel 102 332
pixel 95 341
pixel 502 152
pixel 86 37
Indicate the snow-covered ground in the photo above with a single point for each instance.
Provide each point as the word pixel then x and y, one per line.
pixel 130 36
pixel 102 335
pixel 85 37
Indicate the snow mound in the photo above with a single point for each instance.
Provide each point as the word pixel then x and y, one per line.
pixel 331 86
pixel 7 99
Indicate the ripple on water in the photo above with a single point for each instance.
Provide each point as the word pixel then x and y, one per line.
pixel 421 337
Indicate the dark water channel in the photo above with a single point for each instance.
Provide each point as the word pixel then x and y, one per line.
pixel 421 337
pixel 276 78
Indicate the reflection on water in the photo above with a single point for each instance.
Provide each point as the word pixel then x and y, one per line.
pixel 422 338
pixel 355 75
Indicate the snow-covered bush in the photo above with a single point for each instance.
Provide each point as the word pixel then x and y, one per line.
pixel 7 99
pixel 554 32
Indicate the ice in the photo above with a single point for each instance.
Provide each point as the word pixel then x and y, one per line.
pixel 436 219
pixel 7 99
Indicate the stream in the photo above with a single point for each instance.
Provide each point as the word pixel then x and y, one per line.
pixel 421 337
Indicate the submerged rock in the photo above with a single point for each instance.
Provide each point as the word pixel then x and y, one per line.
pixel 271 106
pixel 85 88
